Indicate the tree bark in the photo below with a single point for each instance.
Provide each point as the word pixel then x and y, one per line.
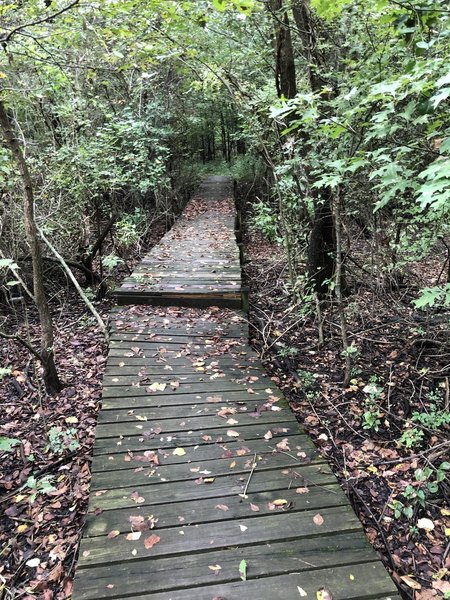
pixel 51 379
pixel 322 246
pixel 322 243
pixel 285 65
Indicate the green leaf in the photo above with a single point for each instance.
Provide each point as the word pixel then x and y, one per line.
pixel 7 444
pixel 430 296
pixel 220 4
pixel 443 80
pixel 243 570
pixel 440 97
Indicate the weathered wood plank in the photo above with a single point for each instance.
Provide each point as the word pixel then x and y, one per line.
pixel 212 510
pixel 163 574
pixel 253 410
pixel 154 400
pixel 157 493
pixel 119 458
pixel 214 376
pixel 196 538
pixel 367 581
pixel 171 439
pixel 140 427
pixel 196 387
pixel 148 473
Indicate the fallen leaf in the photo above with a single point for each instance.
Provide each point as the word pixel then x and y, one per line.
pixel 426 524
pixel 254 507
pixel 33 562
pixel 410 582
pixel 283 445
pixel 151 541
pixel 71 420
pixel 179 452
pixel 223 507
pixel 243 527
pixel 133 536
pixel 268 435
pixel 137 498
pixel 156 387
pixel 214 399
pixel 214 568
pixel 232 433
pixel 243 570
pixel 279 502
pixel 318 519
pixel 324 594
pixel 113 534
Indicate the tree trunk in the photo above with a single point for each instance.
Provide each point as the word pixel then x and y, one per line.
pixel 51 379
pixel 322 243
pixel 285 65
pixel 322 247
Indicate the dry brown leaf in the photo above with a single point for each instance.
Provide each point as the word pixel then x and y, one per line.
pixel 318 519
pixel 113 534
pixel 151 541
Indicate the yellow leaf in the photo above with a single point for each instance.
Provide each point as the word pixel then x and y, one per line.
pixel 280 502
pixel 71 420
pixel 22 528
pixel 372 469
pixel 447 532
pixel 410 582
pixel 157 387
pixel 445 512
pixel 179 452
pixel 20 497
pixel 140 418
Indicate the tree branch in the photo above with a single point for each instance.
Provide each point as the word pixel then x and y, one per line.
pixel 17 29
pixel 22 342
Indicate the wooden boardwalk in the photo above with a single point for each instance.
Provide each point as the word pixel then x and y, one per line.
pixel 197 262
pixel 204 487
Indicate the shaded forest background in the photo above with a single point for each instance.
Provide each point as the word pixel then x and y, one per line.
pixel 333 118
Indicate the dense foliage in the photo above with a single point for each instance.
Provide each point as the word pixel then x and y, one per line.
pixel 333 115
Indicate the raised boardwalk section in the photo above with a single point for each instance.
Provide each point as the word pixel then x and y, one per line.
pixel 197 262
pixel 204 487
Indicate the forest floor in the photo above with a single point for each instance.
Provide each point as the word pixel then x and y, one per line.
pixel 45 478
pixel 400 490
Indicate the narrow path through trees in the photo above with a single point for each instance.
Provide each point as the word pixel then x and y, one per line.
pixel 204 486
